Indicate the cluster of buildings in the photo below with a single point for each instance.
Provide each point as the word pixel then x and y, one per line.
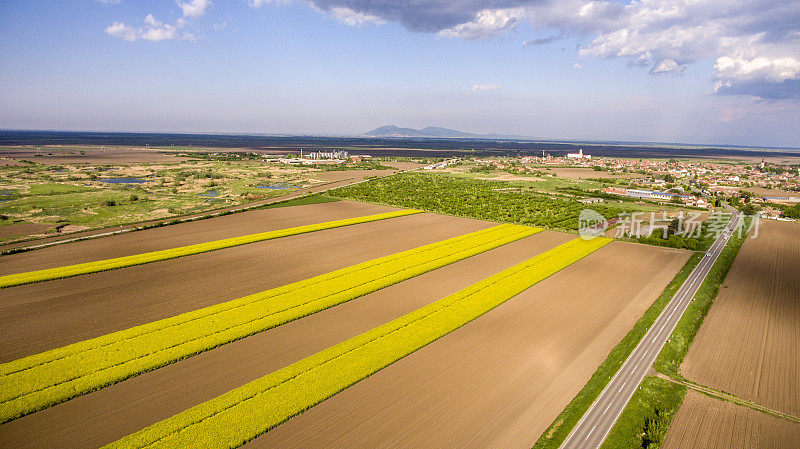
pixel 323 157
pixel 658 196
pixel 712 177
pixel 442 164
pixel 317 155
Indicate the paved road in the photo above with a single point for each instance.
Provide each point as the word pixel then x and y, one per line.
pixel 592 429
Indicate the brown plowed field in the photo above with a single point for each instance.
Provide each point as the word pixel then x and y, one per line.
pixel 37 317
pixel 707 423
pixel 502 379
pixel 55 155
pixel 584 173
pixel 749 344
pixel 182 234
pixel 121 409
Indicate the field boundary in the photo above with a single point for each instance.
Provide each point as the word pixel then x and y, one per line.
pixel 676 347
pixel 728 397
pixel 49 274
pixel 260 405
pixel 558 431
pixel 42 380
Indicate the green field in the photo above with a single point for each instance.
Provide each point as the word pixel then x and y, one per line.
pixel 76 194
pixel 485 200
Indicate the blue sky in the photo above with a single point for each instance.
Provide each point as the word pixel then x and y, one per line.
pixel 665 70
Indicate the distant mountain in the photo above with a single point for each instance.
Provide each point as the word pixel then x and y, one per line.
pixel 432 132
pixel 393 131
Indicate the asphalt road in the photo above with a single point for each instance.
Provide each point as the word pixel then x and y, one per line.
pixel 592 429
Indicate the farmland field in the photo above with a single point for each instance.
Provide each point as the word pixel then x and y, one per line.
pixel 244 413
pixel 707 423
pixel 42 275
pixel 474 198
pixel 38 317
pixel 45 379
pixel 749 344
pixel 499 381
pixel 182 234
pixel 109 414
pixel 586 173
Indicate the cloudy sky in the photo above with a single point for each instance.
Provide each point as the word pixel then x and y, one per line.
pixel 699 71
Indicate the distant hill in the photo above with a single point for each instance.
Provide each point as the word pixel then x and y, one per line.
pixel 430 131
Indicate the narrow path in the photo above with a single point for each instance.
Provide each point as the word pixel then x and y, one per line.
pixel 721 395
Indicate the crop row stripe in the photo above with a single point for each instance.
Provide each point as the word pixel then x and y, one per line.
pixel 11 280
pixel 242 414
pixel 42 380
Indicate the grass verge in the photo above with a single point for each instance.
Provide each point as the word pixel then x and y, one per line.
pixel 646 418
pixel 674 351
pixel 645 421
pixel 244 413
pixel 42 380
pixel 172 253
pixel 563 424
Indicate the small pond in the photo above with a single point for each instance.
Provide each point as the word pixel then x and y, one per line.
pixel 124 180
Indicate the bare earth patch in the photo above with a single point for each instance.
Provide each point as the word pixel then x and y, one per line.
pixel 121 409
pixel 707 423
pixel 500 380
pixel 749 344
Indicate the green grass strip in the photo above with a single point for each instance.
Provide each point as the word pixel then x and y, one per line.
pixel 558 431
pixel 676 348
pixel 42 380
pixel 646 418
pixel 172 253
pixel 244 413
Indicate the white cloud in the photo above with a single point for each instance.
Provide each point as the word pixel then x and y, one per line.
pixel 110 2
pixel 777 78
pixel 668 66
pixel 257 3
pixel 577 66
pixel 352 18
pixel 152 21
pixel 484 87
pixel 666 36
pixel 774 70
pixel 486 24
pixel 194 8
pixel 155 30
pixel 162 32
pixel 122 31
